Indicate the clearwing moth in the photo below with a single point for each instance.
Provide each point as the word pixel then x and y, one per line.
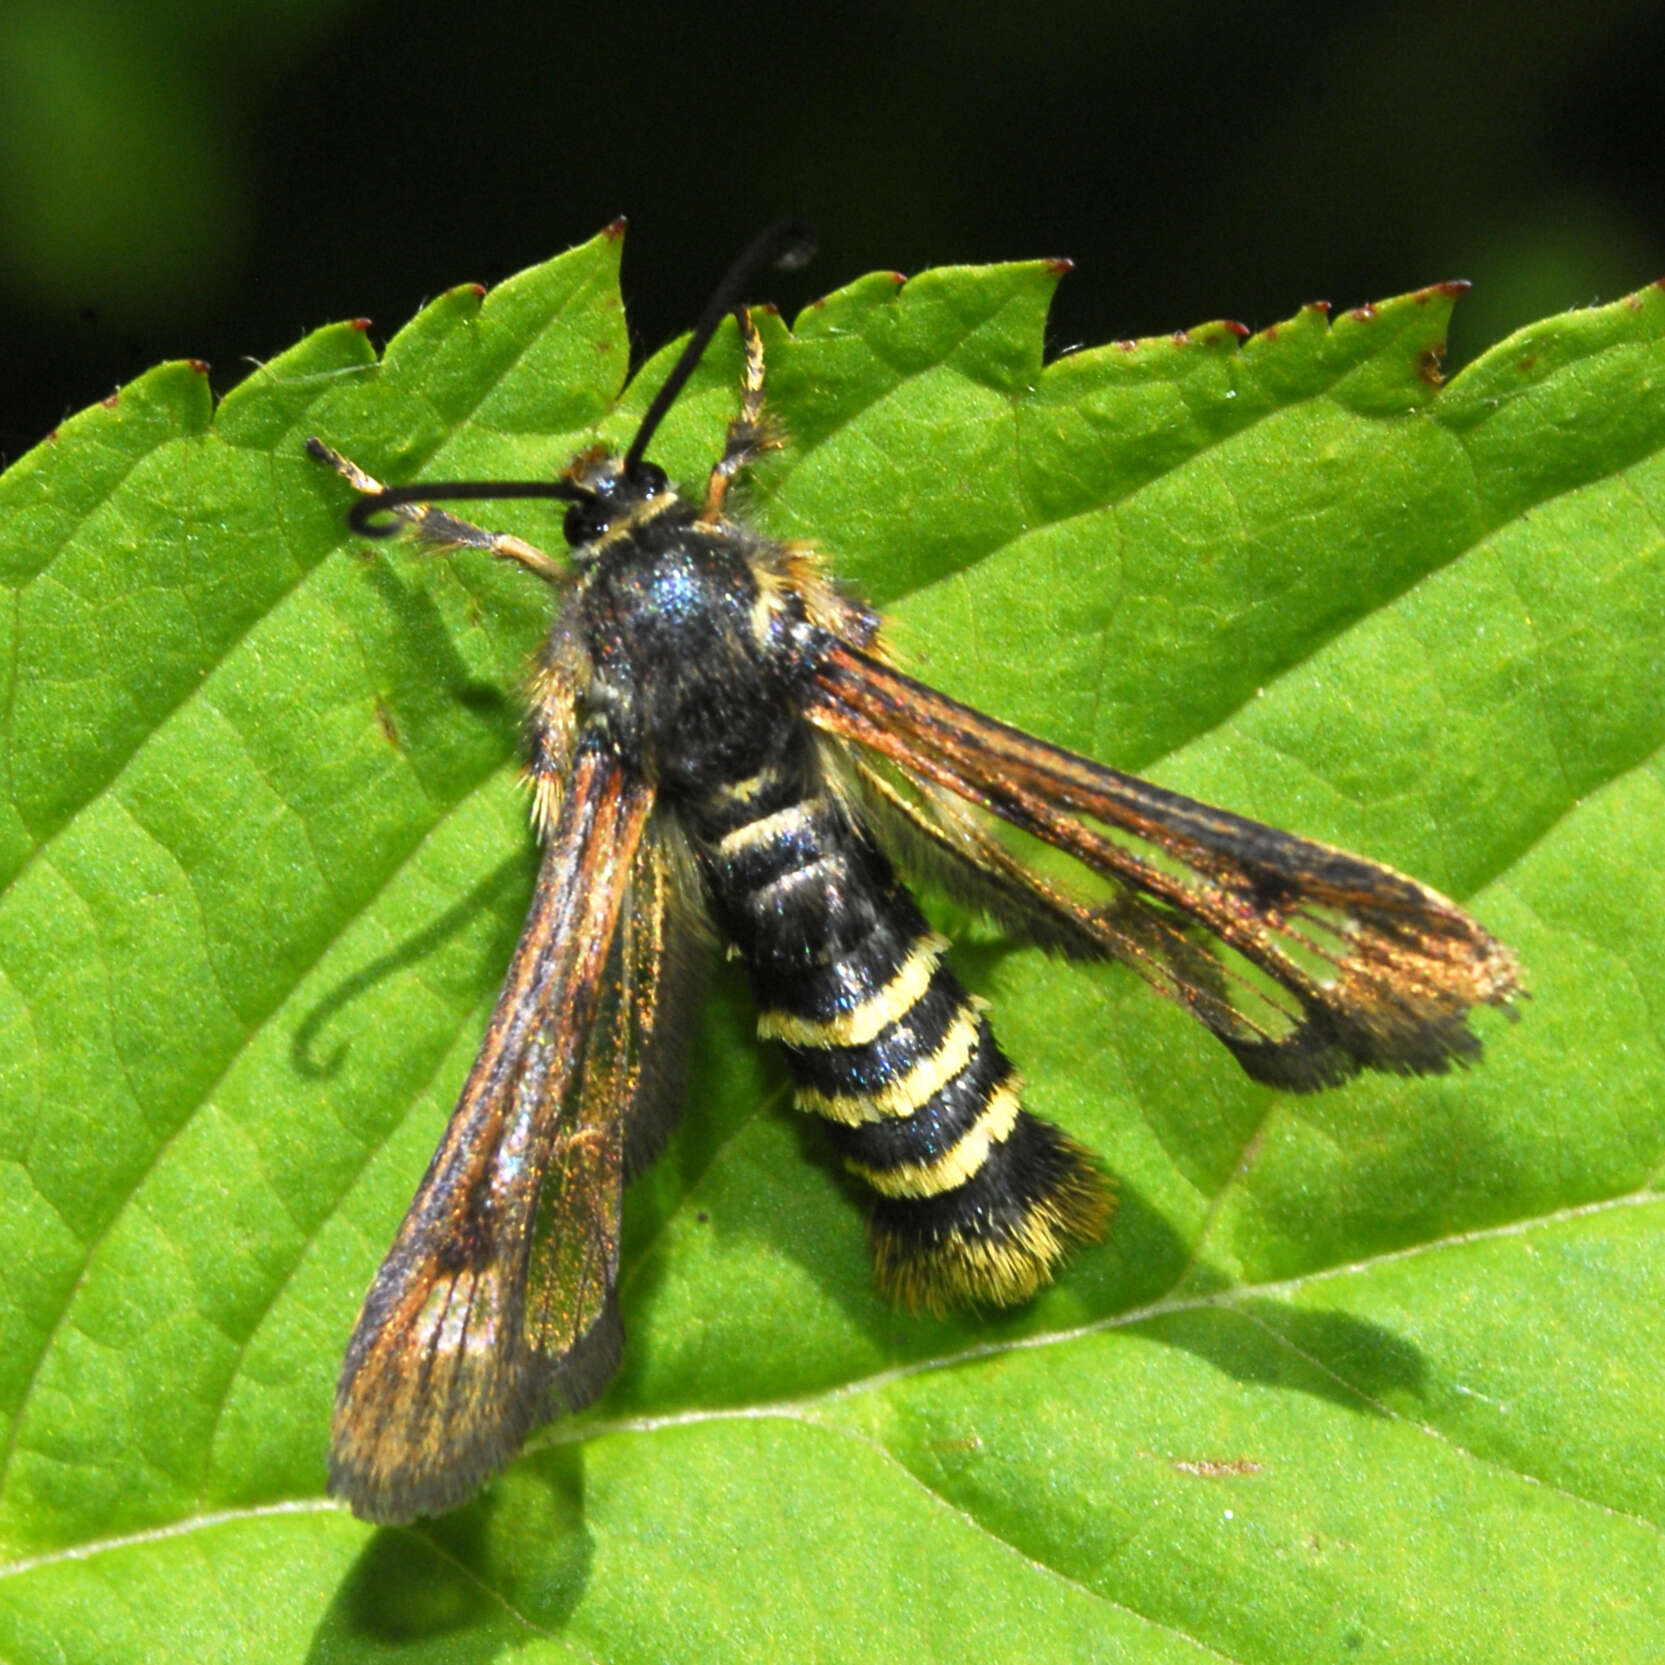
pixel 720 746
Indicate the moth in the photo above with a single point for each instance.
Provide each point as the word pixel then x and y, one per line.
pixel 720 747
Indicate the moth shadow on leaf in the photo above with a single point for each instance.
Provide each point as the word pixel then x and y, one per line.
pixel 1333 1356
pixel 497 897
pixel 466 1586
pixel 435 679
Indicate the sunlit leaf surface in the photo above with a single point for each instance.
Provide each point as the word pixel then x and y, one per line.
pixel 1371 1373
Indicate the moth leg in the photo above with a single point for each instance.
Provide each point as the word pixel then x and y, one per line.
pixel 435 527
pixel 747 433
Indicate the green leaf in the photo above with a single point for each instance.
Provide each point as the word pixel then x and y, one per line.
pixel 1371 1371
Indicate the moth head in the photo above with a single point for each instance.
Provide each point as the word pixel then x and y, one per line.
pixel 605 491
pixel 602 491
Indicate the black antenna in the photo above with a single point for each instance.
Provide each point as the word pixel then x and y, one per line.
pixel 786 245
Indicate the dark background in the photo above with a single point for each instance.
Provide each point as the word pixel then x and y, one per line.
pixel 204 180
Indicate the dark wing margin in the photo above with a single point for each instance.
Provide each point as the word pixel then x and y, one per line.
pixel 1308 963
pixel 495 1307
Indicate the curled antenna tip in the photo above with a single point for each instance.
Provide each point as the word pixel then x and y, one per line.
pixel 800 250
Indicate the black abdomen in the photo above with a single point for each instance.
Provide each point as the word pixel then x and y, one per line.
pixel 977 1199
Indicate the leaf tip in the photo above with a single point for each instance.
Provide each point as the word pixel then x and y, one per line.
pixel 1449 290
pixel 200 365
pixel 362 325
pixel 615 229
pixel 1365 314
pixel 1060 265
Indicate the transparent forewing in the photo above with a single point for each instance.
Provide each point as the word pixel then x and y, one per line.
pixel 449 1365
pixel 1307 962
pixel 942 837
pixel 623 1081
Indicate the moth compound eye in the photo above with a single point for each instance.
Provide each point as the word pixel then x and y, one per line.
pixel 583 522
pixel 649 480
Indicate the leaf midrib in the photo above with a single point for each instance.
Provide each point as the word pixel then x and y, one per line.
pixel 803 1410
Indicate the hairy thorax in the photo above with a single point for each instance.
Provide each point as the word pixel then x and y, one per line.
pixel 696 653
